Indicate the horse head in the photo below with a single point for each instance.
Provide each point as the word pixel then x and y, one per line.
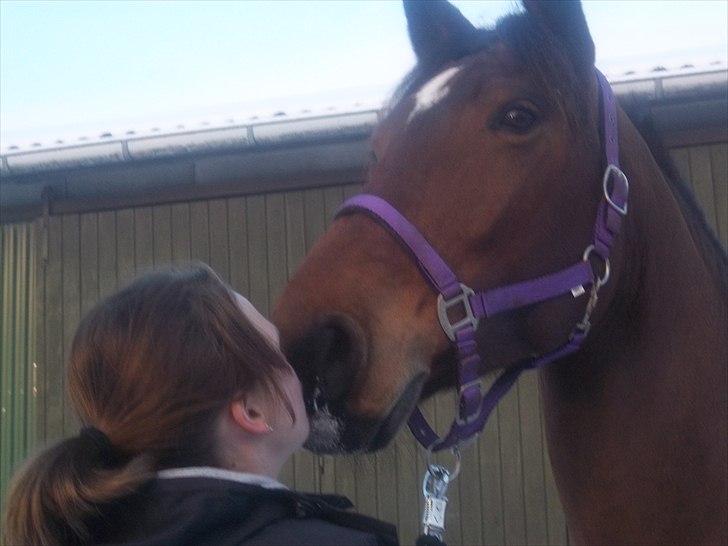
pixel 491 148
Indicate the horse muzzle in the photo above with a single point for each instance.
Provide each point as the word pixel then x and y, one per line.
pixel 340 431
pixel 331 361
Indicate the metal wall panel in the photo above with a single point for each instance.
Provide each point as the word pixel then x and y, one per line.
pixel 18 369
pixel 256 243
pixel 506 494
pixel 705 169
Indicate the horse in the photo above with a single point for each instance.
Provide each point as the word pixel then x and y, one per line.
pixel 492 147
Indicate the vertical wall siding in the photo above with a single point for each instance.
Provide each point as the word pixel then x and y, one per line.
pixel 506 493
pixel 18 370
pixel 705 170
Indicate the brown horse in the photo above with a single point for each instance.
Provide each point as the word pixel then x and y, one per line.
pixel 491 148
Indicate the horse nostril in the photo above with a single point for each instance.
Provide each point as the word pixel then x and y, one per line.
pixel 327 360
pixel 335 359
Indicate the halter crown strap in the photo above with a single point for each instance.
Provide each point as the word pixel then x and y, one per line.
pixel 474 407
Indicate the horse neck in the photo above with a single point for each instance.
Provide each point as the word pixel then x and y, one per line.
pixel 640 413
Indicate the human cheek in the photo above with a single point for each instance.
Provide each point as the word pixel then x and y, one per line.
pixel 296 396
pixel 296 393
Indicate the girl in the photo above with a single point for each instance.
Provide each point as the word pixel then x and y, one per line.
pixel 189 410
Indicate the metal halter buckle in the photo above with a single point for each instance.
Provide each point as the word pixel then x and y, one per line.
pixel 621 176
pixel 478 383
pixel 463 298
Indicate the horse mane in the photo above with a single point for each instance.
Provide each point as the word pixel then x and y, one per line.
pixel 540 53
pixel 711 247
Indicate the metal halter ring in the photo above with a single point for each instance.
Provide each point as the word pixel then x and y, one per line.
pixel 452 474
pixel 621 176
pixel 600 281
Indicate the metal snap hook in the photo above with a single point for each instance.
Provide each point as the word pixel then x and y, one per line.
pixel 452 473
pixel 434 489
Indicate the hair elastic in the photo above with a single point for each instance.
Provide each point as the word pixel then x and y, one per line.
pixel 101 442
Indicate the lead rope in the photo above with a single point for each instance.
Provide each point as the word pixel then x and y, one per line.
pixel 434 488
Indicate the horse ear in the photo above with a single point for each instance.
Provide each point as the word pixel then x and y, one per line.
pixel 565 19
pixel 437 30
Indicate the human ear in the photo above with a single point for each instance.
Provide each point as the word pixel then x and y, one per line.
pixel 249 413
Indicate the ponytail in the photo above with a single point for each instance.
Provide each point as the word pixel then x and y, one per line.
pixel 52 498
pixel 153 365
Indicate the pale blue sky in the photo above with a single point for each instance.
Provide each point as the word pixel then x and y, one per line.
pixel 75 66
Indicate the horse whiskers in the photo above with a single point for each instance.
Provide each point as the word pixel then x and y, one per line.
pixel 325 435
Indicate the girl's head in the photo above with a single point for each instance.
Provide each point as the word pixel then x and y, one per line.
pixel 177 370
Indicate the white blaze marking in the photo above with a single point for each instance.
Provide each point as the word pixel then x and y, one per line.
pixel 433 91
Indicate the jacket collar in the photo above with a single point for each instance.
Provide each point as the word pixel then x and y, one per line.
pixel 220 474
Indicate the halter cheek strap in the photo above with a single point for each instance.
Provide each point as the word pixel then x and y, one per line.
pixel 474 407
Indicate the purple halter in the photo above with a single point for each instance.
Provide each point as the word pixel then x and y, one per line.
pixel 474 407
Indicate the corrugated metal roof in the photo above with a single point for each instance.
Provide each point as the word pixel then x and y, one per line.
pixel 281 129
pixel 672 84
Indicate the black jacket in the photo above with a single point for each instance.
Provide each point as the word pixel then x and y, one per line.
pixel 208 511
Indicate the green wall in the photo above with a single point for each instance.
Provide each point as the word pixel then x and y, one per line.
pixel 18 368
pixel 54 270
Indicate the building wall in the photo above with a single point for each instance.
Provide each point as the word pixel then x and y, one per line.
pixel 256 242
pixel 506 493
pixel 706 169
pixel 18 370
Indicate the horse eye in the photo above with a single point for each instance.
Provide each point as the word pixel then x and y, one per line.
pixel 518 119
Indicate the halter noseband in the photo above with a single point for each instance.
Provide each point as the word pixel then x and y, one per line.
pixel 474 407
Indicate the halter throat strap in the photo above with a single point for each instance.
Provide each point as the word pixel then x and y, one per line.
pixel 474 407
